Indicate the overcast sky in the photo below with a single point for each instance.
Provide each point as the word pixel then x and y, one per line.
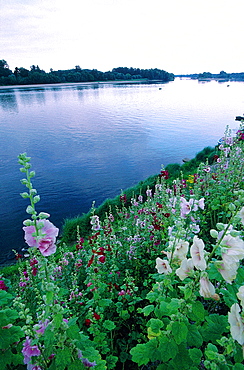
pixel 179 36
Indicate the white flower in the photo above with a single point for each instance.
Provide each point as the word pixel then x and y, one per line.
pixel 228 271
pixel 197 254
pixel 240 295
pixel 236 324
pixel 207 289
pixel 185 268
pixel 180 250
pixel 232 249
pixel 241 214
pixel 201 203
pixel 163 266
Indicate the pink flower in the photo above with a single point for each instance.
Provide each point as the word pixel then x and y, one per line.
pixel 197 254
pixel 180 250
pixel 42 326
pixel 240 295
pixel 234 250
pixel 207 289
pixel 46 242
pixel 29 351
pixel 187 207
pixel 236 324
pixel 185 268
pixel 228 271
pixel 163 266
pixel 3 286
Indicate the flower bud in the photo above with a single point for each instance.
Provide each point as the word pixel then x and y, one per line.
pixel 25 195
pixel 28 222
pixel 30 210
pixel 33 192
pixel 220 226
pixel 36 198
pixel 43 215
pixel 232 207
pixel 214 233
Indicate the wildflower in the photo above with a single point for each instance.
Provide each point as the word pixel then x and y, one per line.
pixel 236 324
pixel 95 222
pixel 206 169
pixel 164 174
pixel 180 250
pixel 185 268
pixel 163 266
pixel 232 249
pixel 197 254
pixel 207 289
pixel 3 286
pixel 187 207
pixel 96 316
pixel 29 351
pixel 46 242
pixel 241 214
pixel 240 295
pixel 42 326
pixel 149 193
pixel 228 271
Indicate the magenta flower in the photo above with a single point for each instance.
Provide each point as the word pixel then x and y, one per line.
pixel 29 350
pixel 46 242
pixel 3 286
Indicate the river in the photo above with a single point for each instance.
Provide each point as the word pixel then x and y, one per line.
pixel 89 141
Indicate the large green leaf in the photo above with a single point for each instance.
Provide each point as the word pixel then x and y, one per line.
pixel 214 327
pixel 179 331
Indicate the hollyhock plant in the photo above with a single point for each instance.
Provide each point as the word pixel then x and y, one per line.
pixel 185 268
pixel 197 254
pixel 207 289
pixel 236 324
pixel 180 250
pixel 46 242
pixel 29 350
pixel 163 266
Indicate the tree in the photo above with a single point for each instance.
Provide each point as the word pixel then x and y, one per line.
pixel 4 69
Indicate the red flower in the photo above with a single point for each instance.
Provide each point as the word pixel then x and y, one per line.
pixel 3 286
pixel 167 215
pixel 34 271
pixel 18 256
pixel 96 316
pixel 90 261
pixel 102 259
pixel 123 198
pixel 159 205
pixel 164 174
pixel 88 322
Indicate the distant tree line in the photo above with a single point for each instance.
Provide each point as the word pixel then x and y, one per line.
pixel 35 75
pixel 224 76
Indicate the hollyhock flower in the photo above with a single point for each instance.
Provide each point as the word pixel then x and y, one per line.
pixel 149 193
pixel 96 316
pixel 163 266
pixel 187 207
pixel 233 249
pixel 240 295
pixel 46 242
pixel 29 350
pixel 228 271
pixel 42 326
pixel 241 214
pixel 87 363
pixel 236 324
pixel 3 286
pixel 95 222
pixel 207 290
pixel 197 254
pixel 185 268
pixel 180 250
pixel 201 203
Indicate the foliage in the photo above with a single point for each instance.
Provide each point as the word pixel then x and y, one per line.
pixel 157 284
pixel 22 76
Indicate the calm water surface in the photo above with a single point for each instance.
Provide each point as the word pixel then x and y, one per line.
pixel 87 142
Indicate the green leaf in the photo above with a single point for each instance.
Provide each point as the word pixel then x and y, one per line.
pixel 238 367
pixel 214 327
pixel 194 337
pixel 211 351
pixel 198 312
pixel 147 309
pixel 9 336
pixel 167 348
pixel 57 320
pixel 179 331
pixel 8 316
pixel 155 325
pixel 109 325
pixel 195 355
pixel 140 354
pixel 111 361
pixel 104 302
pixel 5 297
pixel 73 332
pixel 229 294
pixel 49 297
pixel 62 358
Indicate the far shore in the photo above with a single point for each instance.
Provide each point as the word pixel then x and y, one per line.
pixel 145 80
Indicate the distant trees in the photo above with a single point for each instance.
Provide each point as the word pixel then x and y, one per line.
pixel 23 76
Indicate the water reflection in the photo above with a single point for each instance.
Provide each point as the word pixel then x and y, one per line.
pixel 8 101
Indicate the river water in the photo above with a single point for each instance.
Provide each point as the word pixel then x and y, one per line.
pixel 89 141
